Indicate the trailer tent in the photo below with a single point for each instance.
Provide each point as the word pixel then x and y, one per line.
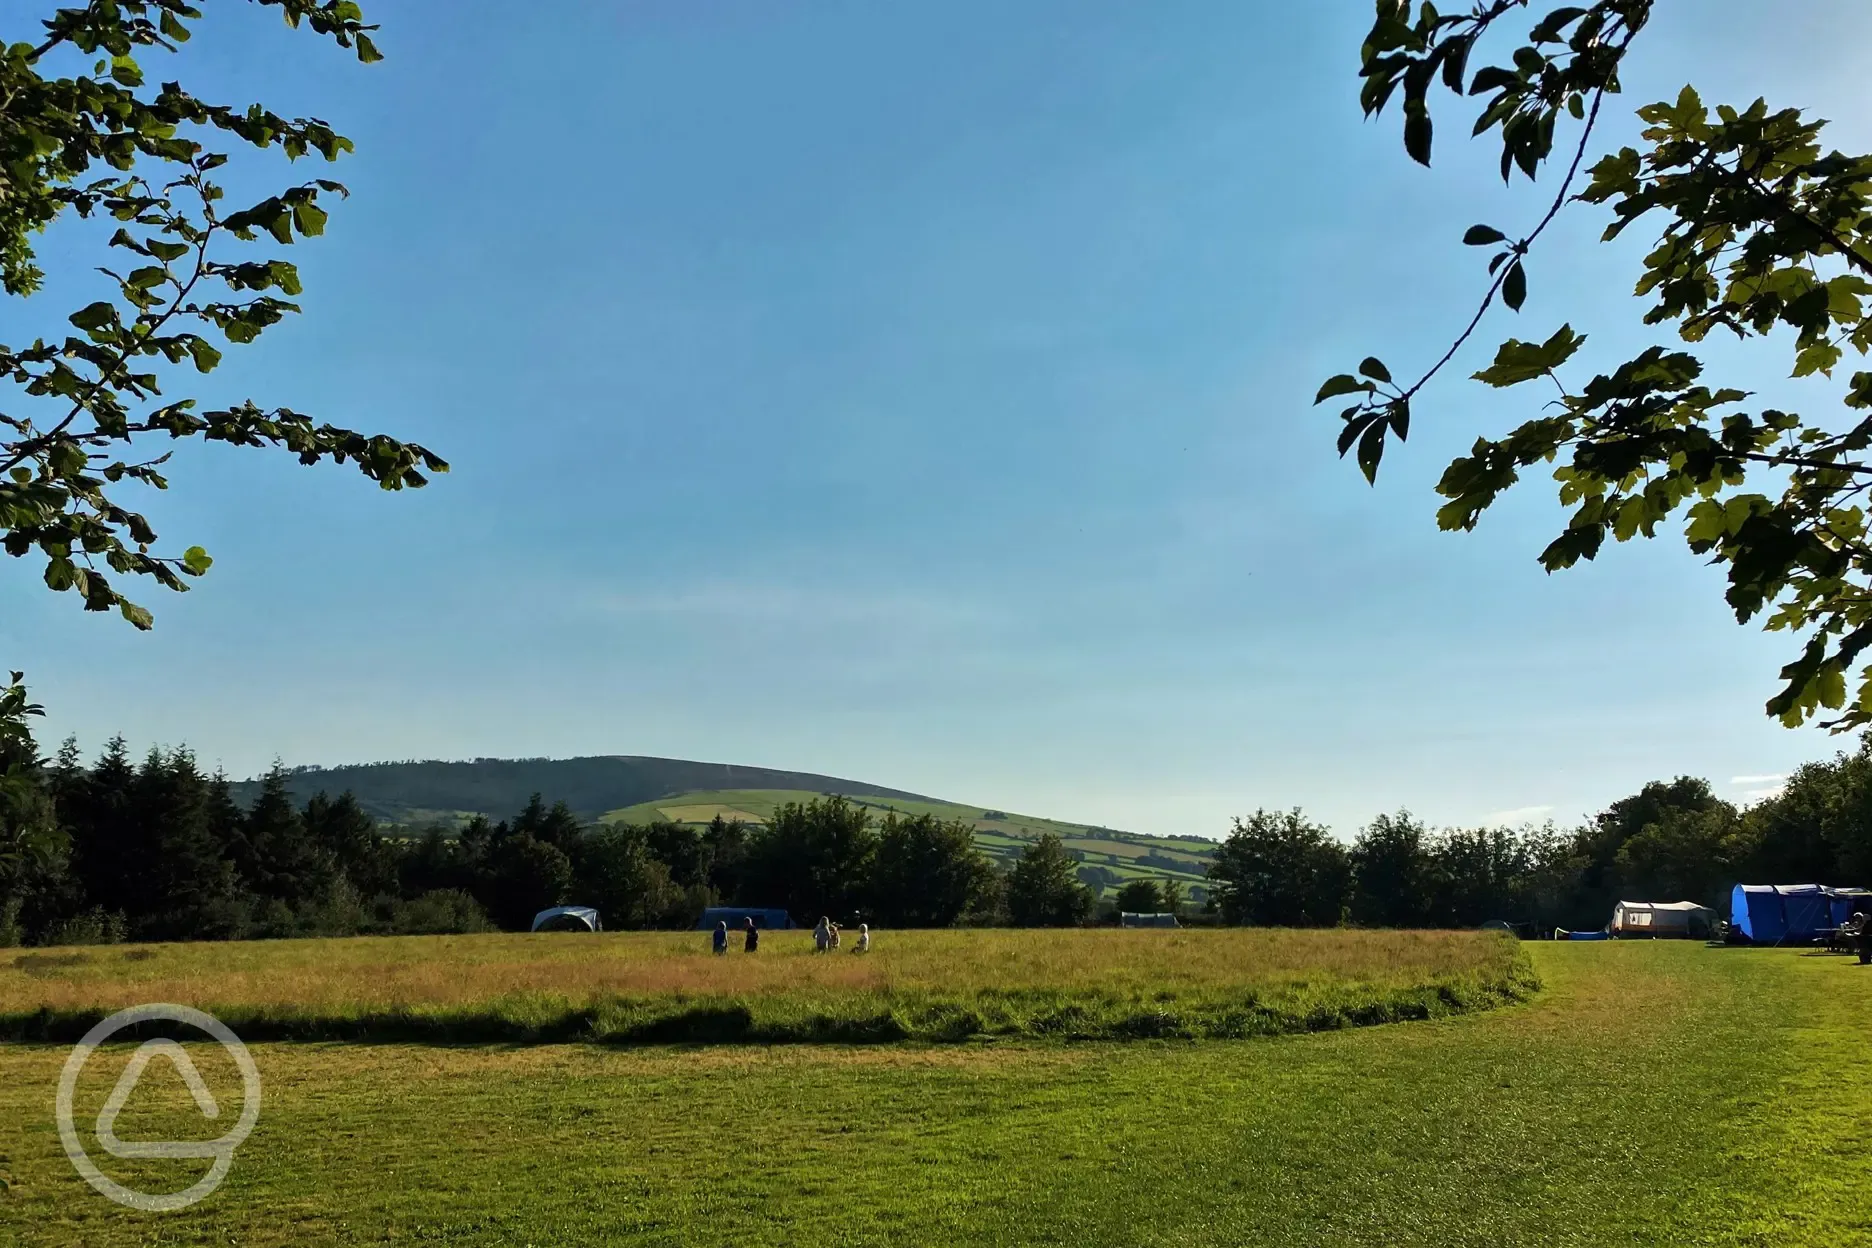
pixel 1127 918
pixel 1661 918
pixel 569 918
pixel 1772 914
pixel 736 918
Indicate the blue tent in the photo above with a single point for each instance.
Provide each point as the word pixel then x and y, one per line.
pixel 1773 914
pixel 1847 900
pixel 736 918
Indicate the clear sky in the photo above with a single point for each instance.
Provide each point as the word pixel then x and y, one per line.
pixel 920 393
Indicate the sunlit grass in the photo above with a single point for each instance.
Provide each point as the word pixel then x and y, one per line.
pixel 945 985
pixel 1653 1093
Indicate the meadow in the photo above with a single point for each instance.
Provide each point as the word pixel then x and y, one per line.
pixel 655 987
pixel 1651 1093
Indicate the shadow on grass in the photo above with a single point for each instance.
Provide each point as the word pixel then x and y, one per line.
pixel 777 1020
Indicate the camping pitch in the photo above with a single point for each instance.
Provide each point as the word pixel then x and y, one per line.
pixel 1777 914
pixel 1661 919
pixel 568 919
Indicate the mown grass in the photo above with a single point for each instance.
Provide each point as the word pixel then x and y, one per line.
pixel 1652 1094
pixel 664 987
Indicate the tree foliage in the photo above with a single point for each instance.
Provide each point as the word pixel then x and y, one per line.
pixel 1278 868
pixel 927 871
pixel 1042 889
pixel 1758 227
pixel 84 134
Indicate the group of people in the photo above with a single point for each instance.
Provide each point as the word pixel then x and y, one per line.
pixel 825 937
pixel 750 936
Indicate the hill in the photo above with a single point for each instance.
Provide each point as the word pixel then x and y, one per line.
pixel 639 789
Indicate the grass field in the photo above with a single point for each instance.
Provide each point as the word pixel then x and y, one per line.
pixel 664 986
pixel 1652 1093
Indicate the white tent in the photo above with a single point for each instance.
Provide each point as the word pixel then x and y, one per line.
pixel 583 914
pixel 1661 918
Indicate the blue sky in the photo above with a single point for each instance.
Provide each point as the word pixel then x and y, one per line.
pixel 920 393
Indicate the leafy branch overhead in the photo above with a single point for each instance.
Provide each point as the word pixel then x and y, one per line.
pixel 1759 228
pixel 88 401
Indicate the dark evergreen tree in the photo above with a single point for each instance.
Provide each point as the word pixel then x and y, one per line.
pixel 287 866
pixel 192 890
pixel 349 837
pixel 106 855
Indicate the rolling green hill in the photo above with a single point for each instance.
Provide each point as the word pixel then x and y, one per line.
pixel 636 789
pixel 1001 835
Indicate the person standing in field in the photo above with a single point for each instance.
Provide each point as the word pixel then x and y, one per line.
pixel 721 937
pixel 753 936
pixel 864 939
pixel 821 934
pixel 832 935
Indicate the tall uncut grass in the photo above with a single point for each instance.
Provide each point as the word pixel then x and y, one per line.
pixel 661 987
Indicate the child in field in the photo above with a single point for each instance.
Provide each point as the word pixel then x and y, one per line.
pixel 753 936
pixel 822 935
pixel 832 935
pixel 864 939
pixel 721 937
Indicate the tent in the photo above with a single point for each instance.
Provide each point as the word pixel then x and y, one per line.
pixel 1127 918
pixel 736 917
pixel 572 914
pixel 1772 914
pixel 1847 900
pixel 1661 918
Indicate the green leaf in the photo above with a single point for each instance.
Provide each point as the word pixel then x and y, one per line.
pixel 1370 451
pixel 1517 361
pixel 1371 366
pixel 146 277
pixel 1514 287
pixel 1819 357
pixel 309 218
pixel 59 573
pixel 1344 383
pixel 94 316
pixel 1482 235
pixel 196 561
pixel 1417 132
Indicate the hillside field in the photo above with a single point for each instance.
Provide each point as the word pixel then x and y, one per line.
pixel 1651 1093
pixel 1001 835
pixel 642 789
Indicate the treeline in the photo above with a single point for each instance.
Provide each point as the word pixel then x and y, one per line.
pixel 158 850
pixel 1671 841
